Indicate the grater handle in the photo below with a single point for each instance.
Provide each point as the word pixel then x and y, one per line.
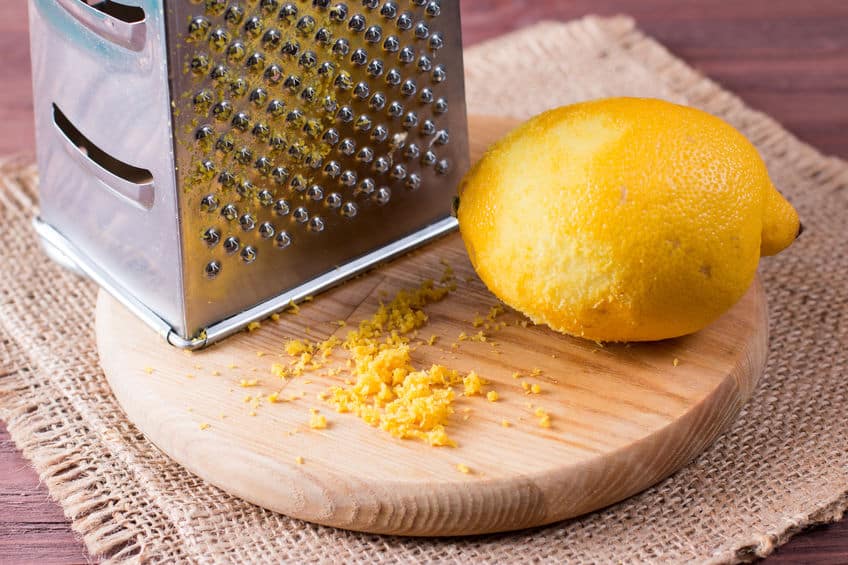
pixel 115 22
pixel 131 183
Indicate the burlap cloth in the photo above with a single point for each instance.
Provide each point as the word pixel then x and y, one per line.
pixel 782 466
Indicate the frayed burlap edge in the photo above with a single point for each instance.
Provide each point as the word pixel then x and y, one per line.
pixel 54 435
pixel 45 423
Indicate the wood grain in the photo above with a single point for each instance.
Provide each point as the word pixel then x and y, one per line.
pixel 624 416
pixel 785 57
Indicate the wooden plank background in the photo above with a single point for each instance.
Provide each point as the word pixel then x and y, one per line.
pixel 788 58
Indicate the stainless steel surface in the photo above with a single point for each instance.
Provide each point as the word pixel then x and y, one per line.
pixel 126 27
pixel 288 144
pixel 351 118
pixel 63 252
pixel 225 328
pixel 118 98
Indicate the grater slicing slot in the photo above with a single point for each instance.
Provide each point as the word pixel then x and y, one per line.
pixel 127 181
pixel 118 23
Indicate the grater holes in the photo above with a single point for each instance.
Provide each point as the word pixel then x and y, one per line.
pixel 268 6
pixel 395 110
pixel 413 181
pixel 426 96
pixel 433 9
pixel 198 27
pixel 382 195
pixel 404 21
pixel 389 10
pixel 247 222
pixel 300 107
pixel 334 200
pixel 243 155
pixel 280 175
pixel 232 245
pixel 263 165
pixel 249 254
pixel 199 64
pixel 348 178
pixel 341 47
pixel 215 7
pixel 393 77
pixel 349 210
pixel 391 44
pixel 406 55
pixel 272 39
pixel 283 240
pixel 226 179
pixel 212 269
pixel 282 207
pixel 437 41
pixel 225 144
pixel 241 121
pixel 208 203
pixel 380 133
pixel 305 26
pixel 374 34
pixel 245 188
pixel 338 13
pixel 267 230
pixel 382 164
pixel 238 87
pixel 425 64
pixel 316 224
pixel 273 74
pixel 298 183
pixel 422 30
pixel 234 15
pixel 439 74
pixel 399 172
pixel 356 23
pixel 347 146
pixel 219 39
pixel 288 13
pixel 315 192
pixel 366 187
pixel 255 62
pixel 261 132
pixel 363 123
pixel 409 88
pixel 377 102
pixel 235 52
pixel 202 101
pixel 265 198
pixel 300 215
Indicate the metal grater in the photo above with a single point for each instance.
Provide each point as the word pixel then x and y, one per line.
pixel 208 162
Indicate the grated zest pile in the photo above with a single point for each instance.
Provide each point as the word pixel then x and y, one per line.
pixel 389 392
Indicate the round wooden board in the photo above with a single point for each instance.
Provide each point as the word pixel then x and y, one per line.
pixel 623 416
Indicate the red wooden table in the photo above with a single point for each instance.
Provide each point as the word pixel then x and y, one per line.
pixel 788 58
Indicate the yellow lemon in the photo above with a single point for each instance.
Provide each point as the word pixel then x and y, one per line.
pixel 622 219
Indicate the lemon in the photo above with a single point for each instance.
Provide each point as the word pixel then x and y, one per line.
pixel 622 219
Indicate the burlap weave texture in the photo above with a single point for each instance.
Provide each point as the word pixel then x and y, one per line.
pixel 783 465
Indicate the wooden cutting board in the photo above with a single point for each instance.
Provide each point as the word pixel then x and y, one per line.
pixel 622 416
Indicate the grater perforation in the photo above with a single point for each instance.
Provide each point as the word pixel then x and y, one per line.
pixel 309 139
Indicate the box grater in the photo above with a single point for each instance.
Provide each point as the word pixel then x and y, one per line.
pixel 208 162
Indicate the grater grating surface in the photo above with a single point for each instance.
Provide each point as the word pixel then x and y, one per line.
pixel 310 139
